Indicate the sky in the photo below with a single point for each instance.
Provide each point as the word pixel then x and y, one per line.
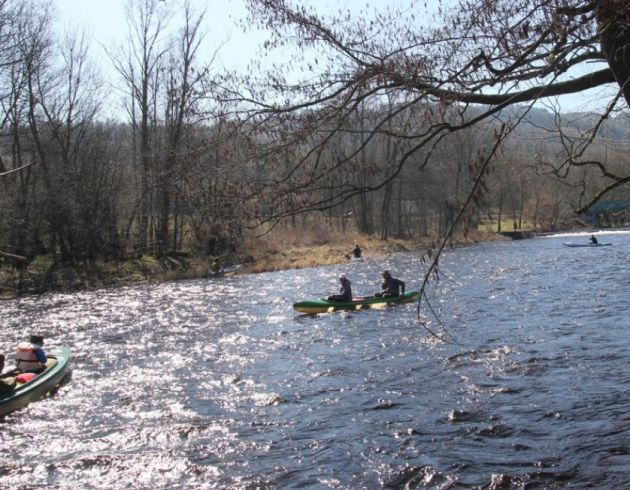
pixel 105 22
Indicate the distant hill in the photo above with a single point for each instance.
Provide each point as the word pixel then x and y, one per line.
pixel 537 120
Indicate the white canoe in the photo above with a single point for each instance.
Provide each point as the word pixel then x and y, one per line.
pixel 587 244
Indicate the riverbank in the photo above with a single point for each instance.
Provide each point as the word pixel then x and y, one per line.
pixel 267 254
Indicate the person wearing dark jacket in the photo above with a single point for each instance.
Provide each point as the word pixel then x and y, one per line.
pixel 391 286
pixel 356 252
pixel 345 291
pixel 7 381
pixel 215 268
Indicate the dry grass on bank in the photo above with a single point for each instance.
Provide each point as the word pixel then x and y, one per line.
pixel 281 249
pixel 286 249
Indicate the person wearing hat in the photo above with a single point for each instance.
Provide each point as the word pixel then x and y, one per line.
pixel 345 291
pixel 391 286
pixel 356 252
pixel 30 356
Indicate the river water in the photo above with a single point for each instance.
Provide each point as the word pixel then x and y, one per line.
pixel 220 384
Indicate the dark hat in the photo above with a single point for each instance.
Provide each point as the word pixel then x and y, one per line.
pixel 36 339
pixel 385 273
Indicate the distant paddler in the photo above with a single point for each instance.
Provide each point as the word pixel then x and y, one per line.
pixel 216 268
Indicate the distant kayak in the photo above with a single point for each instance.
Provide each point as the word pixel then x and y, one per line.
pixel 356 259
pixel 587 244
pixel 324 306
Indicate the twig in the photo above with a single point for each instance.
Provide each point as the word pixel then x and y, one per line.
pixel 502 133
pixel 7 172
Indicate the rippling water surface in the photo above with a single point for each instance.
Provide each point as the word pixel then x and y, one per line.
pixel 220 384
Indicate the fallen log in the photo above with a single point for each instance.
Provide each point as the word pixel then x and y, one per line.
pixel 17 258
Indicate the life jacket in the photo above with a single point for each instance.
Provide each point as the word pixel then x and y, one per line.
pixel 25 357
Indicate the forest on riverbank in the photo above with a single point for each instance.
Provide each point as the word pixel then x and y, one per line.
pixel 272 252
pixel 211 164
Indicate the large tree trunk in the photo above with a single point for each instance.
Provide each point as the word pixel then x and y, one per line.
pixel 613 18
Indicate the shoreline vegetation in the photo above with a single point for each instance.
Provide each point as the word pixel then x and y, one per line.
pixel 269 253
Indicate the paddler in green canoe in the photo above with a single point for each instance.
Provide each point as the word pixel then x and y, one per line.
pixel 7 382
pixel 30 356
pixel 390 286
pixel 345 291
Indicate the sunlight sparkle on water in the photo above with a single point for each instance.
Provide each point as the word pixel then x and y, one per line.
pixel 219 384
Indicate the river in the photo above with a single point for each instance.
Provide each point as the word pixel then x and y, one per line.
pixel 218 383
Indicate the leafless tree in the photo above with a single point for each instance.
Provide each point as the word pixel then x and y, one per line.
pixel 492 54
pixel 482 58
pixel 139 63
pixel 186 88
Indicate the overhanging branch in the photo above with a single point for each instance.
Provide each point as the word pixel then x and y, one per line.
pixel 601 77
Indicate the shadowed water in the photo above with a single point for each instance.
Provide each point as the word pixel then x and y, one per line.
pixel 220 384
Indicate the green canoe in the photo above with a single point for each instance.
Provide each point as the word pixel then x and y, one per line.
pixel 325 306
pixel 56 370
